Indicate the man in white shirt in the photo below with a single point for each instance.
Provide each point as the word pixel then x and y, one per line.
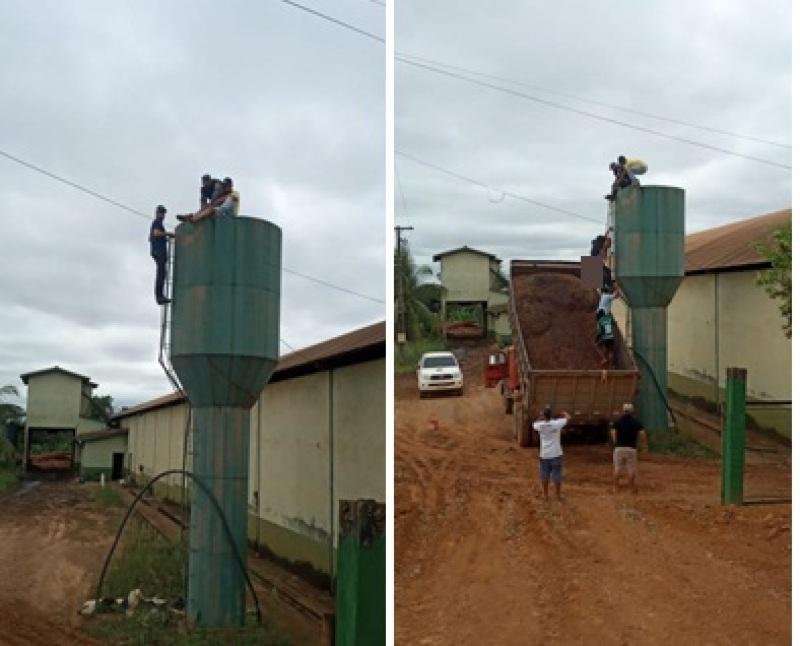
pixel 550 452
pixel 607 295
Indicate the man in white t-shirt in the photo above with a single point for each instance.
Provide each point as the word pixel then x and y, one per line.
pixel 550 452
pixel 607 295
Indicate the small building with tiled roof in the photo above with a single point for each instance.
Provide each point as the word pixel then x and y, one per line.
pixel 473 286
pixel 317 435
pixel 720 317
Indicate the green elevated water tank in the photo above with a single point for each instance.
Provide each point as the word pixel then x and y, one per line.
pixel 224 346
pixel 650 230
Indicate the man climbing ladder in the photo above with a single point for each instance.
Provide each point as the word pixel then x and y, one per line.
pixel 158 251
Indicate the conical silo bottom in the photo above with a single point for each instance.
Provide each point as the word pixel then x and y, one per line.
pixel 650 343
pixel 220 454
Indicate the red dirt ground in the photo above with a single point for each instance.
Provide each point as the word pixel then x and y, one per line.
pixel 53 541
pixel 481 559
pixel 52 545
pixel 557 316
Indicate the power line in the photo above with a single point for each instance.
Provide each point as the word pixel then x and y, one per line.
pixel 288 346
pixel 73 184
pixel 592 101
pixel 382 4
pixel 400 188
pixel 332 286
pixel 127 208
pixel 591 115
pixel 470 180
pixel 336 21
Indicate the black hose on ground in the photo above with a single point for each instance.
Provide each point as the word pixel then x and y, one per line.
pixel 658 386
pixel 217 508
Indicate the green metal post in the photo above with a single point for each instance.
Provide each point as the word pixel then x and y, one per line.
pixel 361 574
pixel 733 437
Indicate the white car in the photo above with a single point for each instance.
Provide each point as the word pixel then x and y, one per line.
pixel 439 371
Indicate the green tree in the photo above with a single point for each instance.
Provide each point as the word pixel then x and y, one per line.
pixel 410 295
pixel 102 407
pixel 9 413
pixel 777 281
pixel 12 417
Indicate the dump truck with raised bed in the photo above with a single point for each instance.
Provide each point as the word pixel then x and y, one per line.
pixel 554 359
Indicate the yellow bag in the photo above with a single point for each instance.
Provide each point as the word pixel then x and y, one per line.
pixel 636 166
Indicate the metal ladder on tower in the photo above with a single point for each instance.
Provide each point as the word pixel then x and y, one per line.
pixel 166 365
pixel 166 324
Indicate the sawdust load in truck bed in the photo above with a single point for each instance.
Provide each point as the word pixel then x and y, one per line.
pixel 556 314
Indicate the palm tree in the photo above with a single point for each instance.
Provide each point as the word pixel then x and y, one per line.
pixel 410 290
pixel 9 389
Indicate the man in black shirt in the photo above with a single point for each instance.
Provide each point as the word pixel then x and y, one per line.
pixel 625 433
pixel 158 250
pixel 210 189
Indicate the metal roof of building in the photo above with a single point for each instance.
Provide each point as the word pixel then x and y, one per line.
pixel 36 373
pixel 372 336
pixel 102 434
pixel 464 249
pixel 359 345
pixel 730 246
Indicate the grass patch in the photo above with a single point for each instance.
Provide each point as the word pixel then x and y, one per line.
pixel 678 444
pixel 160 629
pixel 148 561
pixel 107 496
pixel 8 479
pixel 407 355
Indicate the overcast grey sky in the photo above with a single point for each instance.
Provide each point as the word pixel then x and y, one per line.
pixel 725 64
pixel 136 100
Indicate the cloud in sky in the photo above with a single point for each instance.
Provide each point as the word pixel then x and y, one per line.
pixel 699 63
pixel 136 100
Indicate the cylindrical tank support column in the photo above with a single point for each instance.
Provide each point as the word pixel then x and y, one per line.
pixel 226 305
pixel 650 256
pixel 650 335
pixel 221 447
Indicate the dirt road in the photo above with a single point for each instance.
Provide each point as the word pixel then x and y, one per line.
pixel 480 559
pixel 52 545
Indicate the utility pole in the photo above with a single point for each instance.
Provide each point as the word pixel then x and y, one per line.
pixel 400 304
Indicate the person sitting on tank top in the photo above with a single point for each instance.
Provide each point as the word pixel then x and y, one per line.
pixel 224 205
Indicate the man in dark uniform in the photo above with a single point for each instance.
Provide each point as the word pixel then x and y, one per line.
pixel 210 188
pixel 158 250
pixel 626 433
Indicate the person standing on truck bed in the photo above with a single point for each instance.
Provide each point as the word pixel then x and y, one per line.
pixel 550 451
pixel 601 245
pixel 625 434
pixel 605 338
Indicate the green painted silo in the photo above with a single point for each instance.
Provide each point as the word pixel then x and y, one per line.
pixel 650 234
pixel 224 346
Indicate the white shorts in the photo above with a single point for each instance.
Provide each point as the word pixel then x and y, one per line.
pixel 625 458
